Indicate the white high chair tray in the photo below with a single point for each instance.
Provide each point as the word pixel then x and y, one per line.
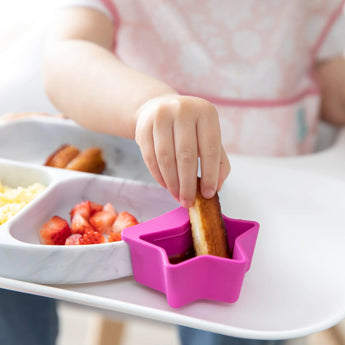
pixel 296 284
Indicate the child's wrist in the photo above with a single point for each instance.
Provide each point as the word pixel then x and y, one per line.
pixel 154 102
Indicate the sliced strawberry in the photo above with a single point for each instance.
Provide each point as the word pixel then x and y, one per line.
pixel 79 224
pixel 74 239
pixel 124 220
pixel 55 231
pixel 102 221
pixel 92 237
pixel 114 237
pixel 108 207
pixel 94 207
pixel 83 208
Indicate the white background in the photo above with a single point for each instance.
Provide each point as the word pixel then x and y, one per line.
pixel 23 26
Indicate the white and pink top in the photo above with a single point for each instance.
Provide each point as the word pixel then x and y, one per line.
pixel 252 59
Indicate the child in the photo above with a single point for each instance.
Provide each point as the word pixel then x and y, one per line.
pixel 247 59
pixel 194 79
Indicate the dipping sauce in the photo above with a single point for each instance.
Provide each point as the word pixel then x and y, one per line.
pixel 188 254
pixel 12 200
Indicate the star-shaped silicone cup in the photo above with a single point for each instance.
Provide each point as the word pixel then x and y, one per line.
pixel 153 242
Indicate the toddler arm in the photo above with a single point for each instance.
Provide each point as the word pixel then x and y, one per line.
pixel 87 83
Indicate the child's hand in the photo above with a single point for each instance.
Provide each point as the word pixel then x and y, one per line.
pixel 172 131
pixel 331 77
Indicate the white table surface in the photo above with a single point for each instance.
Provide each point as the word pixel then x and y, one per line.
pixel 296 285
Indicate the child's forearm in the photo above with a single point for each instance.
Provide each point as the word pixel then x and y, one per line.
pixel 89 84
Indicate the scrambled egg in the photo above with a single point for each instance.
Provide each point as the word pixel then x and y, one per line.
pixel 12 200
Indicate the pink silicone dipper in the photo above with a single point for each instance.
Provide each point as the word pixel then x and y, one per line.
pixel 152 243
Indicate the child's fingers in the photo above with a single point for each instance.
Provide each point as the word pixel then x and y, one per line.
pixel 186 148
pixel 224 169
pixel 145 141
pixel 210 153
pixel 171 134
pixel 165 154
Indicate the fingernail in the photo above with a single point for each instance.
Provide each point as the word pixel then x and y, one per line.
pixel 208 193
pixel 186 203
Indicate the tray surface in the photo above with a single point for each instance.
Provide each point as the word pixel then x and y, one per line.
pixel 296 284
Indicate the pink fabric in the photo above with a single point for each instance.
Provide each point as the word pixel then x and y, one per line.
pixel 253 59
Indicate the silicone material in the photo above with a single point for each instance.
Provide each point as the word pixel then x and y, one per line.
pixel 153 242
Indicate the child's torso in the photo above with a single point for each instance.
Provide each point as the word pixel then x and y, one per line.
pixel 252 59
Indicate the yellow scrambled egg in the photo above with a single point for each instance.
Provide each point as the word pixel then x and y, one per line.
pixel 12 200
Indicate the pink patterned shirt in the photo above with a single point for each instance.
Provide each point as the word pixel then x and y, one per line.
pixel 252 59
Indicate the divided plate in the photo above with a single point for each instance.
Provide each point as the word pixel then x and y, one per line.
pixel 23 257
pixel 24 146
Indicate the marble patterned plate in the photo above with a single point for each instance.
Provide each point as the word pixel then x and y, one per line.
pixel 21 255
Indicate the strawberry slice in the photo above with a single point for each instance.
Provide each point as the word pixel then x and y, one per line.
pixel 124 220
pixel 94 207
pixel 55 231
pixel 102 221
pixel 74 239
pixel 114 237
pixel 79 224
pixel 108 207
pixel 83 208
pixel 92 237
